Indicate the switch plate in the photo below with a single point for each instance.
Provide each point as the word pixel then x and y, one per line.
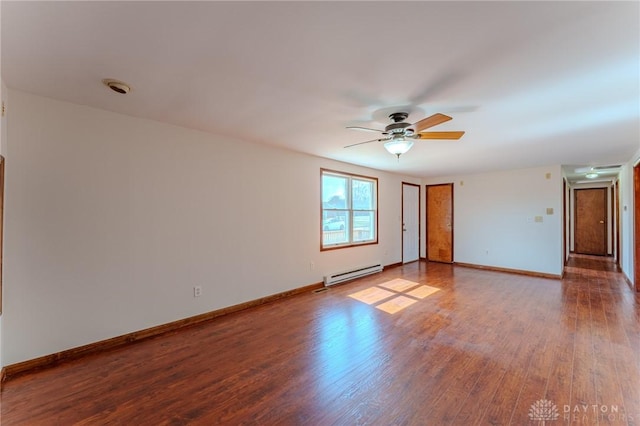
pixel 549 210
pixel 537 219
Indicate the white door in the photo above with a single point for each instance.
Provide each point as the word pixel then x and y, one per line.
pixel 410 222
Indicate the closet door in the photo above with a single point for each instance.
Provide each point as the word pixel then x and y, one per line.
pixel 410 222
pixel 591 221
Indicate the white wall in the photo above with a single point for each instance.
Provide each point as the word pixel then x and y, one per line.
pixel 494 219
pixel 111 221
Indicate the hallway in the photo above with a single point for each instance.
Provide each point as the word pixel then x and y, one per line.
pixel 584 264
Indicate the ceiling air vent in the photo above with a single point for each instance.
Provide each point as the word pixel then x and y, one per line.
pixel 615 166
pixel 117 86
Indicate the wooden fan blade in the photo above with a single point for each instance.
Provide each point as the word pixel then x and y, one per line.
pixel 372 140
pixel 440 135
pixel 366 129
pixel 431 121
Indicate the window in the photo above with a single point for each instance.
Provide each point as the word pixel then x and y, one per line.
pixel 349 210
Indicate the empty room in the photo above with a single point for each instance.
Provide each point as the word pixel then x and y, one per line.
pixel 319 213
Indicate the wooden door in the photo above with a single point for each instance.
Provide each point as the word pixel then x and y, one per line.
pixel 565 229
pixel 636 221
pixel 440 223
pixel 591 221
pixel 410 222
pixel 616 204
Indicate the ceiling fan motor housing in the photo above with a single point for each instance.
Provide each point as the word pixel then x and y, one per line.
pixel 398 125
pixel 397 117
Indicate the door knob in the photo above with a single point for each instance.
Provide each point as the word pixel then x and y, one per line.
pixel 602 221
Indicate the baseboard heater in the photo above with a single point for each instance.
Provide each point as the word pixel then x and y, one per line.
pixel 341 277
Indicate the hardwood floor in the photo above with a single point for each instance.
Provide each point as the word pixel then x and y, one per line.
pixel 484 349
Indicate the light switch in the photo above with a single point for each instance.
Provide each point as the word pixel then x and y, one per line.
pixel 549 210
pixel 538 219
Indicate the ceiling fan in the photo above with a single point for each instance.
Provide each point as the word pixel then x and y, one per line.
pixel 399 135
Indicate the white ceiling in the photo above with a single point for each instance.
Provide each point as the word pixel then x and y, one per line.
pixel 531 83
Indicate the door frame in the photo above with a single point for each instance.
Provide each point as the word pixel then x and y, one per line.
pixel 636 226
pixel 615 221
pixel 606 219
pixel 402 221
pixel 426 213
pixel 564 223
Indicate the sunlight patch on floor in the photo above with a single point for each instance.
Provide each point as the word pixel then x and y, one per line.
pixel 404 292
pixel 396 304
pixel 372 295
pixel 398 285
pixel 423 291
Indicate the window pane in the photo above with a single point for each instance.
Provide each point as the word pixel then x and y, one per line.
pixel 363 226
pixel 334 192
pixel 335 227
pixel 348 206
pixel 362 194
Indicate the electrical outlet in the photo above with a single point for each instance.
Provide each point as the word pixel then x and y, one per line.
pixel 197 291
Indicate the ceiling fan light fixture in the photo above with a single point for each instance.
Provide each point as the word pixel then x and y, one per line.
pixel 398 146
pixel 591 175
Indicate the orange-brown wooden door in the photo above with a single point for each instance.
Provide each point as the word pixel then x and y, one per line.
pixel 440 223
pixel 636 221
pixel 591 221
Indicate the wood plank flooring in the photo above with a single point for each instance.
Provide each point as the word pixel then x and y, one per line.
pixel 484 349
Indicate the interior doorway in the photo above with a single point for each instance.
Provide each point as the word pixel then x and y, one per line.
pixel 410 222
pixel 565 230
pixel 590 233
pixel 615 205
pixel 440 223
pixel 636 221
